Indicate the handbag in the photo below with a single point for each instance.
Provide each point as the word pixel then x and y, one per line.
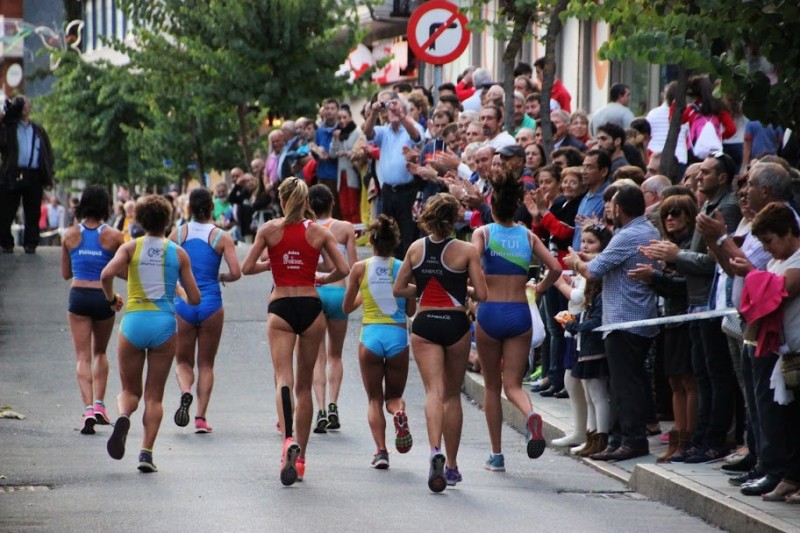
pixel 790 369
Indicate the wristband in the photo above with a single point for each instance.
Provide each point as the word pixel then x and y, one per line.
pixel 722 239
pixel 113 301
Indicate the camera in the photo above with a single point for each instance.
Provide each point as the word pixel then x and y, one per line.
pixel 383 105
pixel 13 109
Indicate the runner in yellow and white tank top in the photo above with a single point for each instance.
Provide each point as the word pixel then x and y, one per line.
pixel 383 348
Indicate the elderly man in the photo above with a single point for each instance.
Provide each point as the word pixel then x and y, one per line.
pixel 521 120
pixel 652 189
pixel 400 132
pixel 624 300
pixel 561 137
pixel 766 183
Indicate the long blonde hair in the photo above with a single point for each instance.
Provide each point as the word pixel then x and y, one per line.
pixel 293 193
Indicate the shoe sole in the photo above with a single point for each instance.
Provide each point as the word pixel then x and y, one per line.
pixel 182 414
pixel 381 465
pixel 403 440
pixel 495 468
pixel 116 442
pixel 289 470
pixel 536 442
pixel 322 425
pixel 147 468
pixel 88 426
pixel 101 419
pixel 436 479
pixel 203 430
pixel 333 421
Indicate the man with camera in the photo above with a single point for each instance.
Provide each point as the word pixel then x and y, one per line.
pixel 26 170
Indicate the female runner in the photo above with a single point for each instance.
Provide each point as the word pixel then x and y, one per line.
pixel 87 249
pixel 293 244
pixel 383 348
pixel 328 370
pixel 503 332
pixel 440 335
pixel 200 326
pixel 147 332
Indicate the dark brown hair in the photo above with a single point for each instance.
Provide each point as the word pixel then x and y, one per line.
pixel 154 213
pixel 439 215
pixel 384 234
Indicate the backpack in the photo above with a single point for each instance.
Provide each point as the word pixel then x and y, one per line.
pixel 704 135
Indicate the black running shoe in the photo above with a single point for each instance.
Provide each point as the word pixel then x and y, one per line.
pixel 116 442
pixel 322 422
pixel 88 422
pixel 436 480
pixel 182 414
pixel 146 462
pixel 333 416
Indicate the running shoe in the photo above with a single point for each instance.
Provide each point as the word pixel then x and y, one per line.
pixel 116 442
pixel 100 414
pixel 333 416
pixel 201 426
pixel 380 460
pixel 301 468
pixel 87 427
pixel 436 479
pixel 403 440
pixel 495 463
pixel 536 442
pixel 182 414
pixel 289 455
pixel 322 422
pixel 452 476
pixel 146 462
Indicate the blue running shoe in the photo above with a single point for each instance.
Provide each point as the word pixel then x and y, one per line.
pixel 495 463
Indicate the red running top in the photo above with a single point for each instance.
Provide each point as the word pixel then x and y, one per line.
pixel 293 260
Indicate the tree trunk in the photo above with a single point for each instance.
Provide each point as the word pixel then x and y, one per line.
pixel 554 27
pixel 521 22
pixel 669 164
pixel 244 133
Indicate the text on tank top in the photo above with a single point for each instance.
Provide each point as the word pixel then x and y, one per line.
pixel 89 258
pixel 152 275
pixel 507 251
pixel 293 260
pixel 437 285
pixel 380 305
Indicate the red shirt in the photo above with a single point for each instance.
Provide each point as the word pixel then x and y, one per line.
pixel 293 260
pixel 560 94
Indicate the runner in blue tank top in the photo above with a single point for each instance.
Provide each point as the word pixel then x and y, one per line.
pixel 200 326
pixel 87 248
pixel 503 332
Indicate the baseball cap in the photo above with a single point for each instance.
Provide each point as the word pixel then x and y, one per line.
pixel 512 150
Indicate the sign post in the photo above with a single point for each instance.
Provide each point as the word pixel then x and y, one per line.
pixel 437 33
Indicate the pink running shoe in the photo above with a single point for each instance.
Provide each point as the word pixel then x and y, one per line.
pixel 403 440
pixel 301 468
pixel 100 414
pixel 87 428
pixel 289 455
pixel 201 426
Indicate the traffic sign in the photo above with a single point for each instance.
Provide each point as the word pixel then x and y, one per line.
pixel 437 32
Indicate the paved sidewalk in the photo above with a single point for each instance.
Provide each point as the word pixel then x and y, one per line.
pixel 701 490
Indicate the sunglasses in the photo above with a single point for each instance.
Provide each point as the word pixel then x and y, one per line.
pixel 674 213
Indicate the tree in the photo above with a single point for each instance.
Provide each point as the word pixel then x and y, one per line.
pixel 235 56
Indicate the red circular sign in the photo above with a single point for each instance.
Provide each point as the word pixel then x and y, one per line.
pixel 437 32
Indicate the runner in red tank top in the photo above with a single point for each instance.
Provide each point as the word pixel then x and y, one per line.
pixel 294 245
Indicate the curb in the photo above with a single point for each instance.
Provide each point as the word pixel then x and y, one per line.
pixel 657 483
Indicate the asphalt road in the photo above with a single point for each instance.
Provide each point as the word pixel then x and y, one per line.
pixel 52 478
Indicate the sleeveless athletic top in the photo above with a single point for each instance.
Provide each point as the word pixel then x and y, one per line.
pixel 152 275
pixel 204 257
pixel 507 251
pixel 380 305
pixel 294 260
pixel 89 258
pixel 437 285
pixel 327 223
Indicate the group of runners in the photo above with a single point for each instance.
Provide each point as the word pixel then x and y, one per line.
pixel 174 308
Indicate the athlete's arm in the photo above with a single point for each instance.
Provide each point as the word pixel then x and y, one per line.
pixel 340 268
pixel 229 254
pixel 549 261
pixel 252 263
pixel 66 260
pixel 402 285
pixel 351 301
pixel 187 278
pixel 479 291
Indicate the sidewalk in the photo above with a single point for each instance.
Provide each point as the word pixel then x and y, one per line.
pixel 700 490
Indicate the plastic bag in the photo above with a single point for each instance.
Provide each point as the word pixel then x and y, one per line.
pixel 537 326
pixel 707 141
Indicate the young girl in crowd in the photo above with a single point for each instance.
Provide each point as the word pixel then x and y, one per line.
pixel 591 367
pixel 383 348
